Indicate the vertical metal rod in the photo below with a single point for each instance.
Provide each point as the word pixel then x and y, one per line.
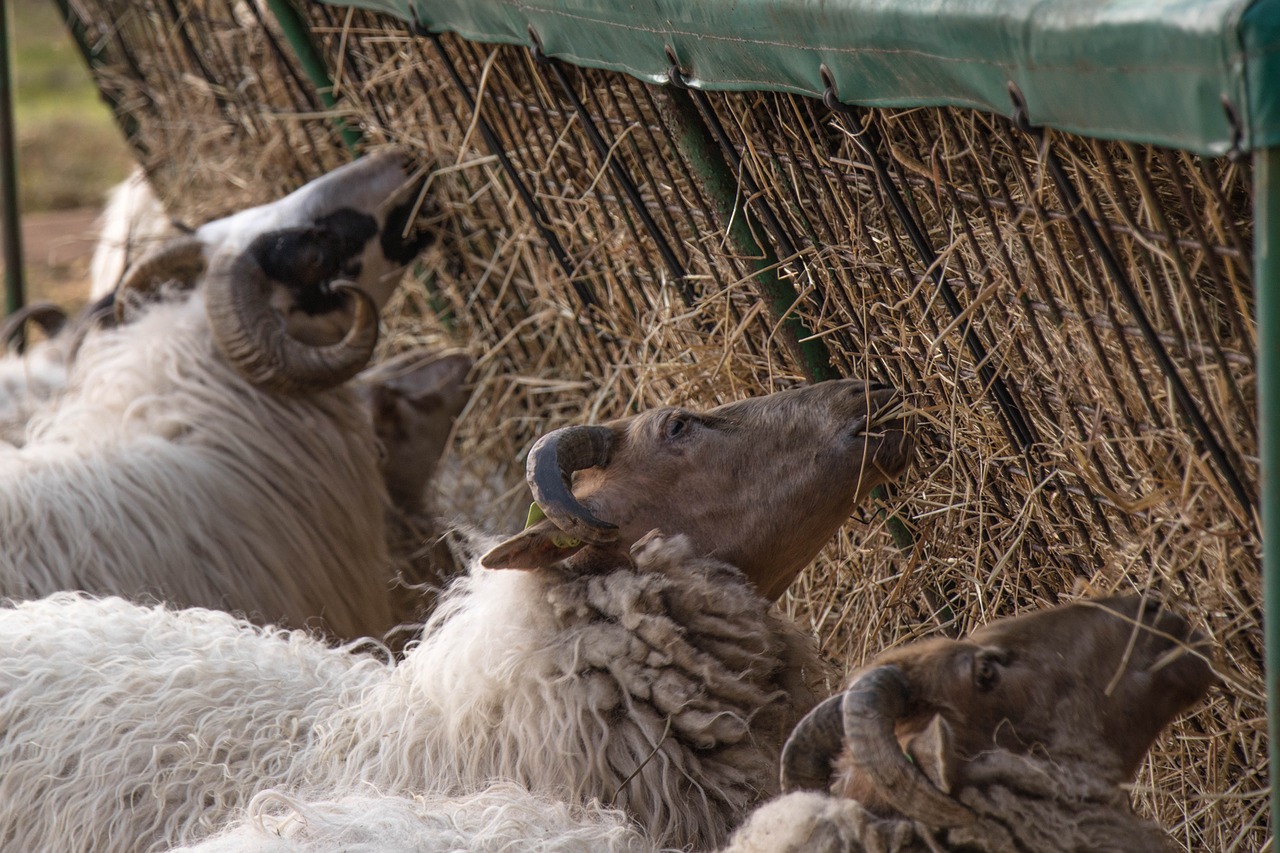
pixel 712 170
pixel 14 295
pixel 1186 403
pixel 629 188
pixel 496 148
pixel 1017 423
pixel 1266 275
pixel 92 55
pixel 298 34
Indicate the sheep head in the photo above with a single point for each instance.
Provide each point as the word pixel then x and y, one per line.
pixel 761 483
pixel 413 400
pixel 1091 683
pixel 294 287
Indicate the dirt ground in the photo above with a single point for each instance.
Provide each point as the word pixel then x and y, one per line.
pixel 56 248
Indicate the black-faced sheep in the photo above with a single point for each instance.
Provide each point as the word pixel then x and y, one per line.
pixel 164 471
pixel 649 674
pixel 1019 738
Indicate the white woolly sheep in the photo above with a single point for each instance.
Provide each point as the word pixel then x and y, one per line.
pixel 1019 738
pixel 164 472
pixel 503 818
pixel 648 675
pixel 132 222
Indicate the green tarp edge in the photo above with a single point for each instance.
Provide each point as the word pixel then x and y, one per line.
pixel 1161 72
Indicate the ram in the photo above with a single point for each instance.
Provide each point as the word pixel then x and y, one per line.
pixel 586 658
pixel 210 457
pixel 1021 737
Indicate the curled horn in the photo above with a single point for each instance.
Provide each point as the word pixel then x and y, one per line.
pixel 871 706
pixel 180 260
pixel 252 335
pixel 814 743
pixel 549 472
pixel 48 316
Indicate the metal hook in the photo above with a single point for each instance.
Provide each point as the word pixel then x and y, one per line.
pixel 1236 153
pixel 415 23
pixel 539 56
pixel 675 74
pixel 1020 118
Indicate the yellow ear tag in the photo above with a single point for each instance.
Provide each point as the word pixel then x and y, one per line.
pixel 559 539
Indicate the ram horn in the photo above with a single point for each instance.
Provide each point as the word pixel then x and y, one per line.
pixel 813 745
pixel 871 706
pixel 549 472
pixel 180 260
pixel 49 317
pixel 252 334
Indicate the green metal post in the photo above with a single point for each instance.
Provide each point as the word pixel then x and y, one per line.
pixel 721 187
pixel 13 284
pixel 298 34
pixel 1266 273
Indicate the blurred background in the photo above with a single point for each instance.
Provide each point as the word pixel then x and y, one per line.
pixel 70 152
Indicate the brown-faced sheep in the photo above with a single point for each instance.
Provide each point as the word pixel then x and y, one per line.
pixel 1019 738
pixel 640 670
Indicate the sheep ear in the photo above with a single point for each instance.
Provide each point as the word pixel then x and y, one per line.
pixel 429 381
pixel 932 752
pixel 539 546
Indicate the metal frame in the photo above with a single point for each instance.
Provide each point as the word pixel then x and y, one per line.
pixel 1266 268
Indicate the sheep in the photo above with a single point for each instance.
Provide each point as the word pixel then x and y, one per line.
pixel 642 670
pixel 501 818
pixel 164 471
pixel 133 221
pixel 1019 738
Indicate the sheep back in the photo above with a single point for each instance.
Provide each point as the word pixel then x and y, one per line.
pixel 498 819
pixel 666 688
pixel 123 727
pixel 164 473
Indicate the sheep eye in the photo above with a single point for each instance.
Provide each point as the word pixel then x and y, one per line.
pixel 986 674
pixel 676 426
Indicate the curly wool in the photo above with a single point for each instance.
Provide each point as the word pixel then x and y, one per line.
pixel 162 472
pixel 28 382
pixel 503 818
pixel 666 689
pixel 122 726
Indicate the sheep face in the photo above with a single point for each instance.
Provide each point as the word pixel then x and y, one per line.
pixel 1090 684
pixel 761 483
pixel 325 259
pixel 1096 681
pixel 413 400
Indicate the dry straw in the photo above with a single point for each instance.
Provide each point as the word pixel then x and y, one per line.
pixel 1114 491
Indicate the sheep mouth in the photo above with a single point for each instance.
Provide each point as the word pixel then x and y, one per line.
pixel 887 443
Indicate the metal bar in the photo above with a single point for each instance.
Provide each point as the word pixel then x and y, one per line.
pixel 298 34
pixel 629 188
pixel 491 140
pixel 14 289
pixel 1266 265
pixel 1186 404
pixel 93 59
pixel 1017 423
pixel 717 178
pixel 712 170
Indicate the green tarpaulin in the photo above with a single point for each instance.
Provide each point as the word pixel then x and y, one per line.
pixel 1166 72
